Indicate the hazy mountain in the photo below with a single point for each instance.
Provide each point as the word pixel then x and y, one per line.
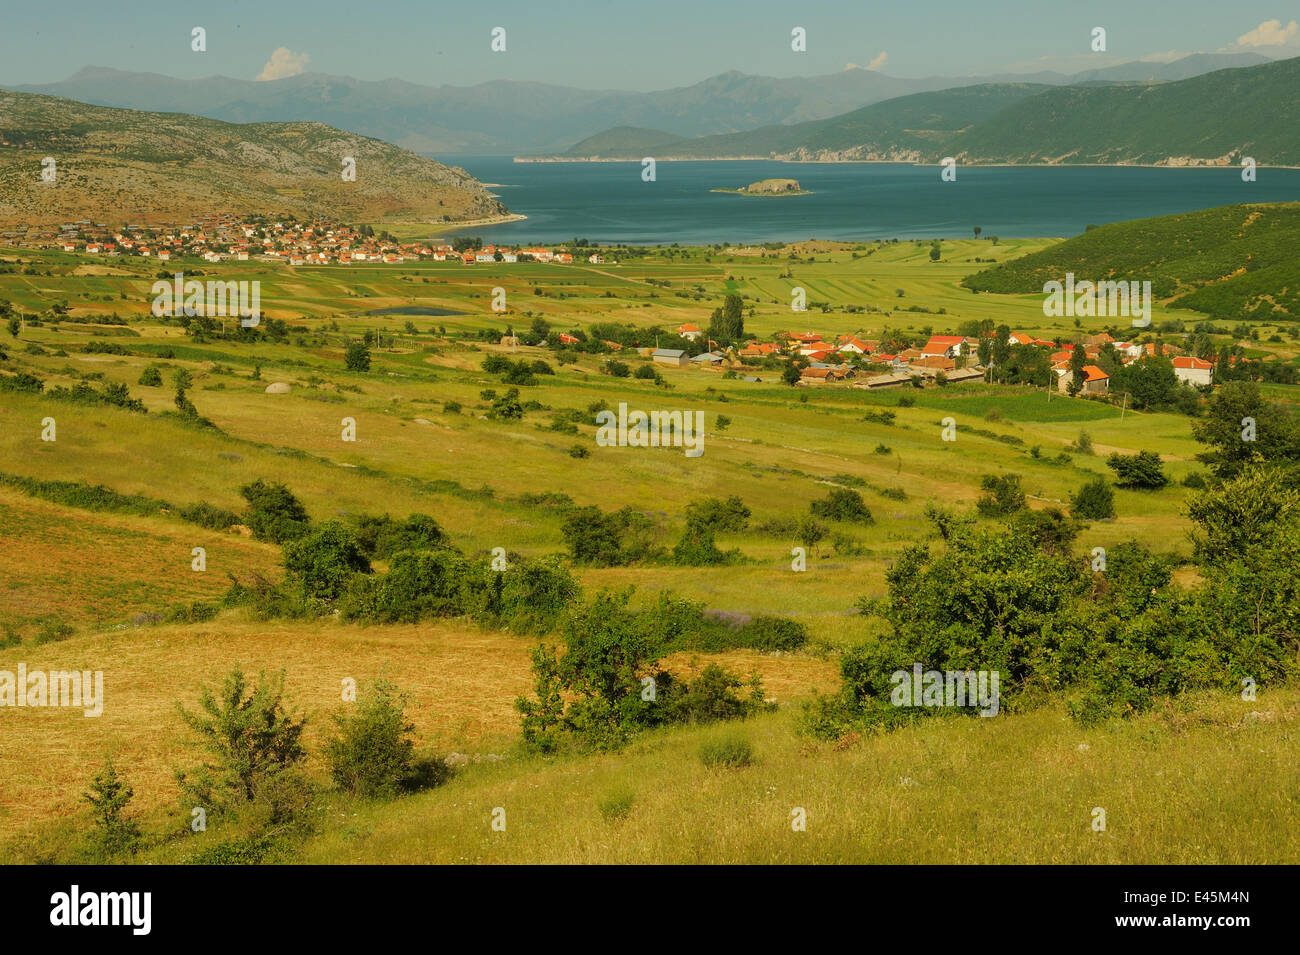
pixel 115 165
pixel 506 117
pixel 1212 117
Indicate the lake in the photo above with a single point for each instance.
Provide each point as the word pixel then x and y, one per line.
pixel 609 203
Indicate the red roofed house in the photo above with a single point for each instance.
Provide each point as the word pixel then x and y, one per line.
pixel 689 331
pixel 1095 381
pixel 1193 371
pixel 945 346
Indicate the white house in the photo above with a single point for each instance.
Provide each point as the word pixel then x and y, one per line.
pixel 1193 371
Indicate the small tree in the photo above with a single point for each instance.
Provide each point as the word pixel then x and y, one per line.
pixel 357 356
pixel 809 532
pixel 373 754
pixel 1002 495
pixel 1077 359
pixel 108 798
pixel 250 739
pixel 1095 501
pixel 151 377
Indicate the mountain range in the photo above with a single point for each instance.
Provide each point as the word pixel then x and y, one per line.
pixel 1213 118
pixel 508 117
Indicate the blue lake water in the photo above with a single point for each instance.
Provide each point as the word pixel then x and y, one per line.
pixel 609 202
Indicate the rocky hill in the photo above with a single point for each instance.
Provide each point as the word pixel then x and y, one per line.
pixel 116 165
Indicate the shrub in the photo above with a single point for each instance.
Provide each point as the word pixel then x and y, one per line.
pixel 696 547
pixel 249 738
pixel 720 515
pixel 357 357
pixel 1095 501
pixel 274 514
pixel 506 407
pixel 151 377
pixel 323 561
pixel 1142 470
pixel 381 537
pixel 206 515
pixel 606 540
pixel 52 631
pixel 451 407
pixel 579 451
pixel 1002 495
pixel 372 755
pixel 843 504
pixel 772 633
pixel 730 752
pixel 418 585
pixel 114 833
pixel 644 372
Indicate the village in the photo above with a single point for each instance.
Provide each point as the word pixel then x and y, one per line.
pixel 226 238
pixel 943 359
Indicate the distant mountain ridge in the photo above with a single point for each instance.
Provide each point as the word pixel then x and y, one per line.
pixel 117 165
pixel 1213 118
pixel 508 117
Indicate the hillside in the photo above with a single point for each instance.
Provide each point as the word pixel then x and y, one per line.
pixel 1253 111
pixel 116 164
pixel 1232 262
pixel 1254 108
pixel 624 141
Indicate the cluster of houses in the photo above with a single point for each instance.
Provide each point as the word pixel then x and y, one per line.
pixel 222 238
pixel 953 356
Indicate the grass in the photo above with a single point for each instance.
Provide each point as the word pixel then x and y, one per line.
pixel 1005 790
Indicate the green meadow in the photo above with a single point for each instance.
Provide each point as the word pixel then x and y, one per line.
pixel 967 790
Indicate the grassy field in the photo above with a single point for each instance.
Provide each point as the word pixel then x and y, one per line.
pixel 1012 789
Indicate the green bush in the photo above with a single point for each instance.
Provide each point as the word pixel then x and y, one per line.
pixel 151 377
pixel 324 561
pixel 274 514
pixel 1095 501
pixel 381 537
pixel 720 515
pixel 206 515
pixel 1002 495
pixel 251 743
pixel 1142 471
pixel 372 754
pixel 114 834
pixel 843 504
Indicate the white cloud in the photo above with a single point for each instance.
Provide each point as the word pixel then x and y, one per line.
pixel 878 61
pixel 1270 33
pixel 284 63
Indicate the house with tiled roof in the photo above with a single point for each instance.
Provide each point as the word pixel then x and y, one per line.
pixel 1193 371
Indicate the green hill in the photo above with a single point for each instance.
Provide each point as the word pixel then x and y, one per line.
pixel 1214 118
pixel 623 141
pixel 1234 262
pixel 121 164
pixel 1253 111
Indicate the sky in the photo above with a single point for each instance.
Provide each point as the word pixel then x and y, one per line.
pixel 619 44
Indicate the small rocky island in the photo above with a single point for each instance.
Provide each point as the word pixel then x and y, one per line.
pixel 769 187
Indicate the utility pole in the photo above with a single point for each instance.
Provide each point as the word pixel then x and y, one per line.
pixel 1124 408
